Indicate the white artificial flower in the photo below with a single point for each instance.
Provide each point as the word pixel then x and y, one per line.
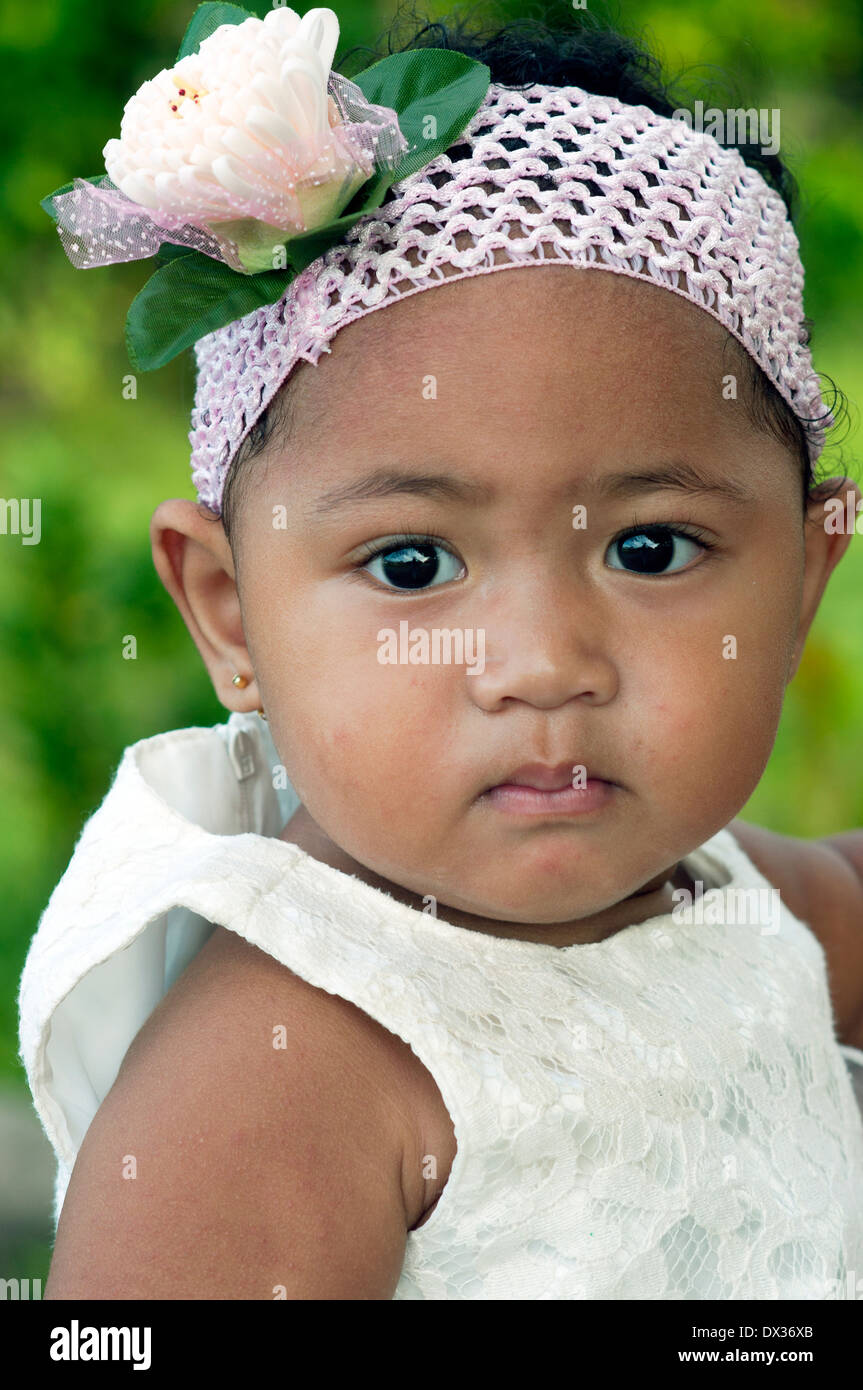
pixel 242 135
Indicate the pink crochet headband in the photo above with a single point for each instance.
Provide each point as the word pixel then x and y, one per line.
pixel 545 175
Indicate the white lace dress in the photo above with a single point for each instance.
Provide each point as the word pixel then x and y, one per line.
pixel 665 1114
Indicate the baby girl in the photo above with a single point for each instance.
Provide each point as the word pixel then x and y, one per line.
pixel 399 983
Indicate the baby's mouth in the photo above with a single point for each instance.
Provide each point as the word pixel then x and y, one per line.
pixel 542 777
pixel 539 789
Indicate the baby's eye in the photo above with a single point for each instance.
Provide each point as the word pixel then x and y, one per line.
pixel 413 563
pixel 651 549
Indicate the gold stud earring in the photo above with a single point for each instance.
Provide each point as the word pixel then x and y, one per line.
pixel 239 681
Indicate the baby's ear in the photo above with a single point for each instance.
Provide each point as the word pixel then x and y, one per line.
pixel 194 562
pixel 831 519
pixel 835 508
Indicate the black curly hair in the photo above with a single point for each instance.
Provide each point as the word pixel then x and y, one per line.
pixel 563 47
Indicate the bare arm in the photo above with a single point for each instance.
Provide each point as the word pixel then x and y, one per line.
pixel 258 1168
pixel 821 882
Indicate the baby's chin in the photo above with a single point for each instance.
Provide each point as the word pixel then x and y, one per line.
pixel 541 875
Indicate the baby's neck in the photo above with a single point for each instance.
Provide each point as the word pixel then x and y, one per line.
pixel 654 899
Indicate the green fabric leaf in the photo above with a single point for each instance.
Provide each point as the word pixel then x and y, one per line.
pixel 421 83
pixel 190 296
pixel 169 251
pixel 206 19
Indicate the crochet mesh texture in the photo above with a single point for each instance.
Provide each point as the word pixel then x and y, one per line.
pixel 542 175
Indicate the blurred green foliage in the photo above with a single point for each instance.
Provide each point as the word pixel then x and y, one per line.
pixel 101 463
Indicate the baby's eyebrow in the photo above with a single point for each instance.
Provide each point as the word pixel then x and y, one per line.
pixel 388 482
pixel 669 477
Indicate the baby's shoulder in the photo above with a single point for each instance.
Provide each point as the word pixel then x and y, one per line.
pixel 269 1022
pixel 272 1126
pixel 353 1069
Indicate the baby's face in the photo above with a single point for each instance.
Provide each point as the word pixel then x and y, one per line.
pixel 654 664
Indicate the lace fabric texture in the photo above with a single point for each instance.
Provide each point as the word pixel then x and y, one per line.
pixel 540 176
pixel 665 1114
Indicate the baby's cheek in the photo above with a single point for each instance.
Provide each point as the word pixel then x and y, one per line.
pixel 403 736
pixel 726 733
pixel 339 758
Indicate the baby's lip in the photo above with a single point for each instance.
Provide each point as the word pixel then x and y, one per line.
pixel 544 778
